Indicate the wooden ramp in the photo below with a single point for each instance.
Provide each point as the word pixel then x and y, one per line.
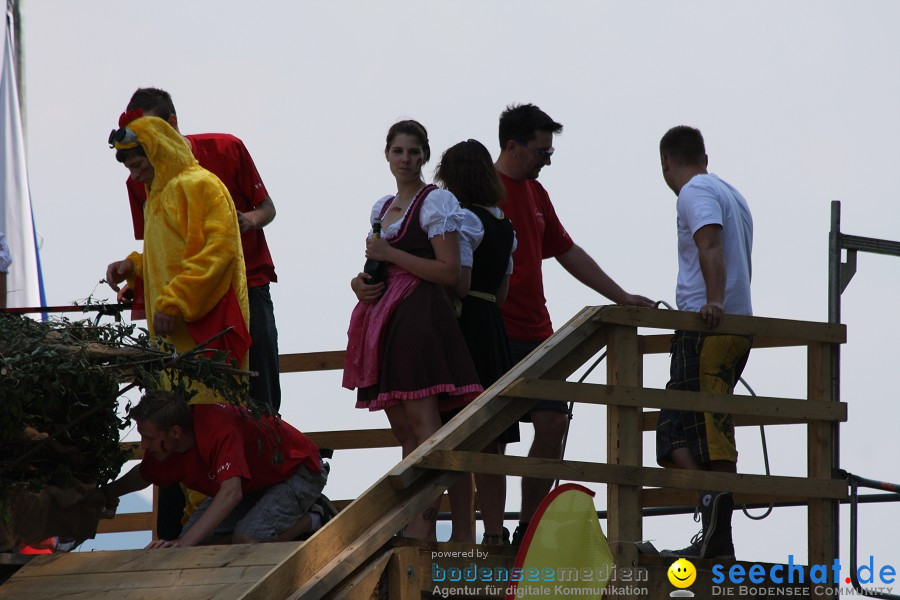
pixel 211 572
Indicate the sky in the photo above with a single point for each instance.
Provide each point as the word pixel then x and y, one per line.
pixel 797 102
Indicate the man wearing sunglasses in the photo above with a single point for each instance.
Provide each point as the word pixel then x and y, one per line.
pixel 526 146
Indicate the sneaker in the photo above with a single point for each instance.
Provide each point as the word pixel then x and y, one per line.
pixel 717 542
pixel 714 540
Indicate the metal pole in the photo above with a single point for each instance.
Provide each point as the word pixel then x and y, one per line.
pixel 834 316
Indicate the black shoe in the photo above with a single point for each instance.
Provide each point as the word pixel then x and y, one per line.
pixel 717 542
pixel 519 534
pixel 496 539
pixel 714 540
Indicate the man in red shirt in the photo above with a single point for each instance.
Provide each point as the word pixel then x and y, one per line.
pixel 262 476
pixel 526 145
pixel 228 158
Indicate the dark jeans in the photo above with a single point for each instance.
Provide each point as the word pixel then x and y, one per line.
pixel 169 512
pixel 265 388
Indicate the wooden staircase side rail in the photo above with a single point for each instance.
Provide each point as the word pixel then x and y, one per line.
pixel 375 516
pixel 661 343
pixel 649 419
pixel 804 332
pixel 638 397
pixel 571 470
pixel 345 543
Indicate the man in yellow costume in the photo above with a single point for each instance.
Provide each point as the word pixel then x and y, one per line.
pixel 192 268
pixel 191 273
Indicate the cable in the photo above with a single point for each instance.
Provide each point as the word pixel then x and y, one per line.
pixel 765 448
pixel 762 430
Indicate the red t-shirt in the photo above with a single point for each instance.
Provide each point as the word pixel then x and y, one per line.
pixel 229 443
pixel 227 157
pixel 540 235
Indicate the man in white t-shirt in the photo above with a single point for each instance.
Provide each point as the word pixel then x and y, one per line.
pixel 715 239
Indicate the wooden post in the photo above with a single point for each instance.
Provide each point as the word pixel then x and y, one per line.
pixel 624 445
pixel 154 514
pixel 404 574
pixel 821 514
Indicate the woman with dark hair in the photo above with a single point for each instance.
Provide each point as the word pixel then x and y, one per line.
pixel 405 353
pixel 488 241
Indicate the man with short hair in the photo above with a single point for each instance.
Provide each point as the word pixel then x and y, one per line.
pixel 526 145
pixel 715 240
pixel 227 157
pixel 261 475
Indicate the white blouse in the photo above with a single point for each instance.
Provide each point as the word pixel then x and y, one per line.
pixel 440 214
pixel 472 233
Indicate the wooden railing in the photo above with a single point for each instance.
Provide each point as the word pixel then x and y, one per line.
pixel 321 564
pixel 367 524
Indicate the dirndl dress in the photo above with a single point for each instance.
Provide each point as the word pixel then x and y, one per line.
pixel 408 345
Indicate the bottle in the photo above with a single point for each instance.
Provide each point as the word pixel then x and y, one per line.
pixel 375 269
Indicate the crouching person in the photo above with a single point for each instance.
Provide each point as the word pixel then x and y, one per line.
pixel 263 477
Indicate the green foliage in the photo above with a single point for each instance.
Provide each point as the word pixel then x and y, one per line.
pixel 60 385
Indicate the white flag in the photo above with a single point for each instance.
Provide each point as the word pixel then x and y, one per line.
pixel 24 282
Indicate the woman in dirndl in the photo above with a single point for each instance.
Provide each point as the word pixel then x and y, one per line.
pixel 405 352
pixel 487 243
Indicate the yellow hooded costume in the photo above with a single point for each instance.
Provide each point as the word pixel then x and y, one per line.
pixel 192 266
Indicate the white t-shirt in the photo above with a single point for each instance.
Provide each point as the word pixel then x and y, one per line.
pixel 707 200
pixel 5 259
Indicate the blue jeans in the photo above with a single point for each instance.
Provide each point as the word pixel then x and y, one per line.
pixel 265 388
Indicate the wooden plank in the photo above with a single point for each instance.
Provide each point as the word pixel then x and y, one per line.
pixel 806 331
pixel 135 448
pixel 311 361
pixel 662 343
pixel 821 440
pixel 621 395
pixel 363 585
pixel 141 521
pixel 570 470
pixel 650 417
pixel 352 439
pixel 220 591
pixel 58 586
pixel 624 443
pixel 86 563
pixel 662 497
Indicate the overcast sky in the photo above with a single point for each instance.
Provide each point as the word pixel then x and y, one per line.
pixel 798 102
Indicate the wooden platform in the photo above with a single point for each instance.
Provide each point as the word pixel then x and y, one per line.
pixel 211 572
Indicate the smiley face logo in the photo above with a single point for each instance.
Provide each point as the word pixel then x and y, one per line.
pixel 682 573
